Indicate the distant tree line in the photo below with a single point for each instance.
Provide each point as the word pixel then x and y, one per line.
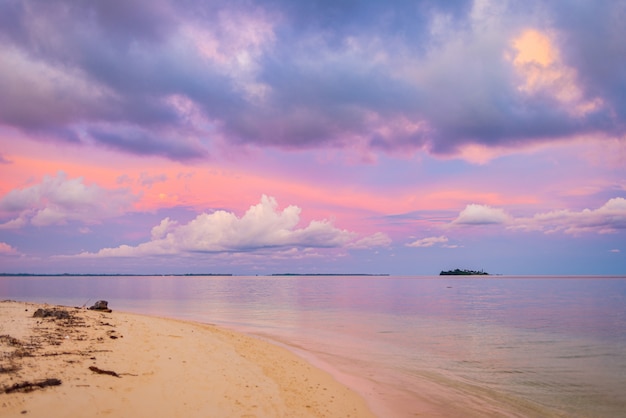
pixel 463 272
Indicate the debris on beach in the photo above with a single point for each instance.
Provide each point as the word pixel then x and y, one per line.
pixel 51 313
pixel 30 386
pixel 100 371
pixel 53 334
pixel 101 305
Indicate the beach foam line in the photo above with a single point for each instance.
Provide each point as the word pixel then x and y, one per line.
pixel 128 365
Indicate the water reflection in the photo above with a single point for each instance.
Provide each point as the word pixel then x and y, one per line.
pixel 547 341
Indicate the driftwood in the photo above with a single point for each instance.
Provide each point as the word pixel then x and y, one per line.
pixel 100 371
pixel 30 386
pixel 8 369
pixel 8 340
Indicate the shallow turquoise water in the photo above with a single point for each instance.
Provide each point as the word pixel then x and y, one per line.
pixel 499 346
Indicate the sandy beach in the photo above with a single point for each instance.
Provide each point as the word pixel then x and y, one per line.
pixel 76 362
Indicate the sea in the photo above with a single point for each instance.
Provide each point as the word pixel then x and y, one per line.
pixel 441 346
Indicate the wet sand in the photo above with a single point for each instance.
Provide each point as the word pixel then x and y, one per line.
pixel 88 363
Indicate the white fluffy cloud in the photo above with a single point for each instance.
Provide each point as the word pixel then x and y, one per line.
pixel 57 200
pixel 262 227
pixel 378 239
pixel 428 242
pixel 609 218
pixel 481 215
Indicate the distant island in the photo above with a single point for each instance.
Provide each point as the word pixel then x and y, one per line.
pixel 464 272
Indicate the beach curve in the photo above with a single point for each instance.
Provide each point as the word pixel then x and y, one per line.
pixel 121 364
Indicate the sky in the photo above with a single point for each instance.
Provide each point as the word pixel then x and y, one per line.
pixel 257 137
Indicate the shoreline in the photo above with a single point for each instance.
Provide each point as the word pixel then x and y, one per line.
pixel 126 364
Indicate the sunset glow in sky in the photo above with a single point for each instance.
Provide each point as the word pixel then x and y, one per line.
pixel 256 137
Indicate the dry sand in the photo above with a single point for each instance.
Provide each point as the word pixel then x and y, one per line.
pixel 124 365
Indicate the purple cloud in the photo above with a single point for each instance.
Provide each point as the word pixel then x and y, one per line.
pixel 391 76
pixel 141 142
pixel 593 43
pixel 147 180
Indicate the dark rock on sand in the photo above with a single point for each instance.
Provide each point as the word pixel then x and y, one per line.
pixel 101 305
pixel 51 313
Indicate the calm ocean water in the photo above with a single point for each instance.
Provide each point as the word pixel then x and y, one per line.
pixel 476 346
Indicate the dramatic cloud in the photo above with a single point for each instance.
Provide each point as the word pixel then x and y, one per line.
pixel 180 79
pixel 263 227
pixel 58 200
pixel 428 242
pixel 363 112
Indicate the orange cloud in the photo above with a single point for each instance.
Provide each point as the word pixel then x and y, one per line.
pixel 541 69
pixel 534 46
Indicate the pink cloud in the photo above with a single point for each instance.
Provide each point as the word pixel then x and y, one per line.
pixel 428 242
pixel 57 200
pixel 6 249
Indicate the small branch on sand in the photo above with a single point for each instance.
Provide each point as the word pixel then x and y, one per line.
pixel 8 369
pixel 30 386
pixel 100 371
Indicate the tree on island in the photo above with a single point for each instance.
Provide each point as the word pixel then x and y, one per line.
pixel 464 272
